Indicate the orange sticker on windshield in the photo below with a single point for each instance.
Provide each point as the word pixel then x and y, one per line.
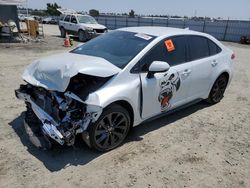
pixel 169 45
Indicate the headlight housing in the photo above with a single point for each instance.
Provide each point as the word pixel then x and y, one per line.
pixel 89 28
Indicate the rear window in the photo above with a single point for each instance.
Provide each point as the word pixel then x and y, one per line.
pixel 198 47
pixel 67 18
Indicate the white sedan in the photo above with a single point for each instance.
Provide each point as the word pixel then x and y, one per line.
pixel 119 80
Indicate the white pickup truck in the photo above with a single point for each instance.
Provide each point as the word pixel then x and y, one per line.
pixel 83 26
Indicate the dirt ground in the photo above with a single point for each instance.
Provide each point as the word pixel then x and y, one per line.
pixel 200 146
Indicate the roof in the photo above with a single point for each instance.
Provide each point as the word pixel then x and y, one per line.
pixel 12 2
pixel 158 31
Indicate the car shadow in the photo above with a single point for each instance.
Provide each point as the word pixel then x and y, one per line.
pixel 61 157
pixel 144 128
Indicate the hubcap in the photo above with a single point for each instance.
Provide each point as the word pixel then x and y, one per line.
pixel 111 130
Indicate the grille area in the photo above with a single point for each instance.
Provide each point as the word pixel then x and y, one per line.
pixel 99 30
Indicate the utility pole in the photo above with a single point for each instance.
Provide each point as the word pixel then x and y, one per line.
pixel 195 13
pixel 225 33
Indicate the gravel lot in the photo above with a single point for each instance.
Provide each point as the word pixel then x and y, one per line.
pixel 200 146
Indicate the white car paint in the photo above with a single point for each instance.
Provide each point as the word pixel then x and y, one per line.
pixel 92 26
pixel 74 28
pixel 129 92
pixel 188 81
pixel 125 86
pixel 54 72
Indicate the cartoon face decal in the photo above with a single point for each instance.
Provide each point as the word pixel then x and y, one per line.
pixel 169 85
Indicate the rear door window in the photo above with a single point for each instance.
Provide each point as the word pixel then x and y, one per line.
pixel 198 47
pixel 173 54
pixel 213 48
pixel 67 18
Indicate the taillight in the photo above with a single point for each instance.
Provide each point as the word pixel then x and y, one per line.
pixel 233 56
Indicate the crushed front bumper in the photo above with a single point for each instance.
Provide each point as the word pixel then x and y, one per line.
pixel 62 131
pixel 48 123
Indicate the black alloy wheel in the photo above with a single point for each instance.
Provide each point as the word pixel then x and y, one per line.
pixel 218 89
pixel 111 129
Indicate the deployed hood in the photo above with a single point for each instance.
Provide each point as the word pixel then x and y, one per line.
pixel 55 72
pixel 94 26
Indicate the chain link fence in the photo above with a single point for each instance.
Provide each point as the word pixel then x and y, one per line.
pixel 225 30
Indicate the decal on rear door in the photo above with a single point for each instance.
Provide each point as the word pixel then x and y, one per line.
pixel 169 85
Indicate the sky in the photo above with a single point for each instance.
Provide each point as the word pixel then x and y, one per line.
pixel 233 9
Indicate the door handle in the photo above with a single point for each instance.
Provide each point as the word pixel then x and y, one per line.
pixel 214 63
pixel 186 72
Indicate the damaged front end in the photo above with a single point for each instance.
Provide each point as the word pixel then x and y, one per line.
pixel 57 116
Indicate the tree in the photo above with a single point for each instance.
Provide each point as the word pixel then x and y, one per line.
pixel 51 9
pixel 131 14
pixel 94 13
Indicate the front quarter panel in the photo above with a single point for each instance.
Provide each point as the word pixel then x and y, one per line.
pixel 121 87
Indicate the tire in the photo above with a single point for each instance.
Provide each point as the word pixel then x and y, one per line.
pixel 111 129
pixel 242 40
pixel 63 32
pixel 218 89
pixel 82 36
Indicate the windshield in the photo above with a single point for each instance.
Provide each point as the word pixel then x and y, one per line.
pixel 86 19
pixel 117 47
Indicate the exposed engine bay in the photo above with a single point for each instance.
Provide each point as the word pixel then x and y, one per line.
pixel 60 116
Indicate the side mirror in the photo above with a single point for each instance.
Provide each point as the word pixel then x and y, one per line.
pixel 74 21
pixel 157 67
